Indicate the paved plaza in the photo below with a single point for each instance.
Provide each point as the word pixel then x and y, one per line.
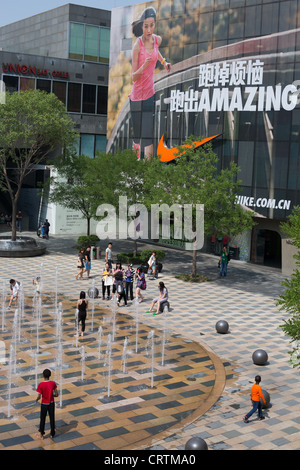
pixel 178 378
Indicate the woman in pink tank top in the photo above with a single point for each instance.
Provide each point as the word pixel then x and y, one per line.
pixel 144 58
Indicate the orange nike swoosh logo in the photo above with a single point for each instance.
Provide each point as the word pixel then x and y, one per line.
pixel 166 155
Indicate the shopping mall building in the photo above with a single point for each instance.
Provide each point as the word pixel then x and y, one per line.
pixel 64 51
pixel 235 73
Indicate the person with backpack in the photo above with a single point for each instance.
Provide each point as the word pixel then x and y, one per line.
pixel 119 288
pixel 141 284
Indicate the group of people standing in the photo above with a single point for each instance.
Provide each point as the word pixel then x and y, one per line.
pixel 118 282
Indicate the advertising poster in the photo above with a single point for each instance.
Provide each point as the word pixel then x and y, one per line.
pixel 226 71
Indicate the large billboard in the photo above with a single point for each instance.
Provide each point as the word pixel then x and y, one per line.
pixel 222 70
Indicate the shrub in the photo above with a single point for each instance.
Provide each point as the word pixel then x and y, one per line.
pixel 127 258
pixel 145 255
pixel 87 240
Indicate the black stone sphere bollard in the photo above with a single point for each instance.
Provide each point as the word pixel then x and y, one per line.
pixel 222 327
pixel 259 357
pixel 93 293
pixel 267 398
pixel 196 443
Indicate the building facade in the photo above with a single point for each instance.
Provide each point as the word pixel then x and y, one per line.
pixel 64 51
pixel 235 73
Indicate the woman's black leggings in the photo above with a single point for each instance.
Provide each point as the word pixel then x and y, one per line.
pixel 142 117
pixel 82 318
pixel 104 289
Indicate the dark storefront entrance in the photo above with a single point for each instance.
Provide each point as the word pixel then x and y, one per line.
pixel 266 248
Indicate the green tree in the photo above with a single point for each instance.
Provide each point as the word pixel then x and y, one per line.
pixel 84 183
pixel 132 184
pixel 290 299
pixel 70 188
pixel 32 125
pixel 194 178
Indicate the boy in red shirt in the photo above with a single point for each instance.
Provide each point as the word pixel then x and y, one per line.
pixel 256 395
pixel 47 390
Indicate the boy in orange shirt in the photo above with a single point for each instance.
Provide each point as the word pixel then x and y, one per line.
pixel 256 395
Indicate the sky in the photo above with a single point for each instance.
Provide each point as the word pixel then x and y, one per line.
pixel 19 9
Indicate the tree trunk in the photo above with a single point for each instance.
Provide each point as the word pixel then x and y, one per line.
pixel 88 219
pixel 194 269
pixel 13 219
pixel 134 248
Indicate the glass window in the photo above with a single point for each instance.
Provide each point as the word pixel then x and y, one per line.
pixel 205 27
pixel 44 85
pixel 91 43
pixel 104 45
pixel 236 23
pixel 245 162
pixel 87 145
pixel 270 19
pixel 102 100
pixel 294 167
pixel 220 25
pixel 178 7
pixel 27 84
pixel 11 83
pixel 164 9
pixel 279 172
pixel 59 89
pixel 100 143
pixel 287 15
pixel 252 21
pixel 76 41
pixel 89 99
pixel 74 97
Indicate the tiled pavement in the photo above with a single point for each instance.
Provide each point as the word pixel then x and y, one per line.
pixel 201 390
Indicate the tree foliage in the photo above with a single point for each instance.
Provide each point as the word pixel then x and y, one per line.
pixel 194 178
pixel 290 299
pixel 32 125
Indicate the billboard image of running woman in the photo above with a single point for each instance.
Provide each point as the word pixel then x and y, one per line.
pixel 145 55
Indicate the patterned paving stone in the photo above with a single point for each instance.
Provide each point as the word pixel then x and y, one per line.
pixel 245 299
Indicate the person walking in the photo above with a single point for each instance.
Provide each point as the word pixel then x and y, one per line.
pixel 140 285
pixel 47 390
pixel 80 264
pixel 47 227
pixel 256 395
pixel 152 266
pixel 82 305
pixel 19 218
pixel 87 261
pixel 108 255
pixel 223 262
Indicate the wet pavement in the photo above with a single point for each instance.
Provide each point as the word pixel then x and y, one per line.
pixel 206 396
